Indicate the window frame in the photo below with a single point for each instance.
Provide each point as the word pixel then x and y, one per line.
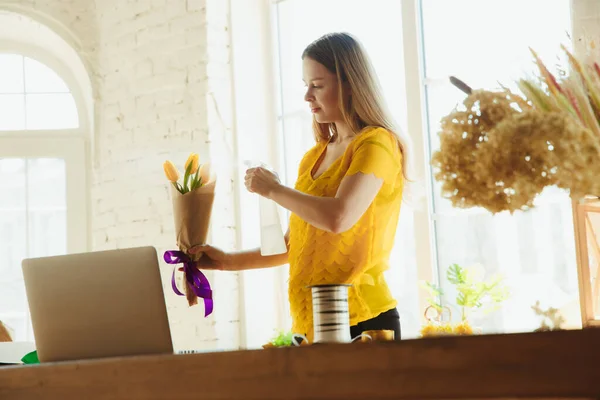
pixel 418 127
pixel 72 150
pixel 42 56
pixel 81 135
pixel 587 302
pixel 71 144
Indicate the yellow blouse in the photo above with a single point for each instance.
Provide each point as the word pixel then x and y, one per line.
pixel 360 255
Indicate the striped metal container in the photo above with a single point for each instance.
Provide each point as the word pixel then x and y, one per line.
pixel 331 319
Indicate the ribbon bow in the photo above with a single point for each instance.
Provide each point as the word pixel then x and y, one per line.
pixel 196 280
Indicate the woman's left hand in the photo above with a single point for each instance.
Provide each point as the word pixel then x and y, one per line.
pixel 261 181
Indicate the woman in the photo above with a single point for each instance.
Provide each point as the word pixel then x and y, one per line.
pixel 346 201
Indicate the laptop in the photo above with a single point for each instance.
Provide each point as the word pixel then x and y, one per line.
pixel 98 304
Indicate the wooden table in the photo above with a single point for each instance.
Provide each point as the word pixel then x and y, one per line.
pixel 562 364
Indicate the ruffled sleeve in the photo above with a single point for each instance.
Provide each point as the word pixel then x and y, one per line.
pixel 377 153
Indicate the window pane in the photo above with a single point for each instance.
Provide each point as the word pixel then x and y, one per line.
pixel 47 207
pixel 33 223
pixel 16 322
pixel 13 219
pixel 485 41
pixel 13 299
pixel 297 140
pixel 12 112
pixel 402 275
pixel 12 183
pixel 11 74
pixel 47 183
pixel 441 100
pixel 51 111
pixel 534 251
pixel 299 25
pixel 41 79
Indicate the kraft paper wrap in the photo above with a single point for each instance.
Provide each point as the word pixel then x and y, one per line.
pixel 192 212
pixel 4 335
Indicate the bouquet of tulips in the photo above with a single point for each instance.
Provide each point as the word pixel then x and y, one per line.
pixel 193 200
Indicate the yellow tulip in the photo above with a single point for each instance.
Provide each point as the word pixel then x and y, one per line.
pixel 171 171
pixel 204 173
pixel 193 159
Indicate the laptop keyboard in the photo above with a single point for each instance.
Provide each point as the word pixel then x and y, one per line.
pixel 189 352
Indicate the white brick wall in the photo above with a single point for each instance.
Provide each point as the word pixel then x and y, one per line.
pixel 152 64
pixel 154 60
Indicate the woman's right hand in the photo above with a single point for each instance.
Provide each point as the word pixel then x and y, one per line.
pixel 212 257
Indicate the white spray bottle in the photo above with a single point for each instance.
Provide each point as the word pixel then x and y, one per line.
pixel 272 240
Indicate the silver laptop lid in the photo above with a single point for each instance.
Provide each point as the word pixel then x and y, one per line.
pixel 97 304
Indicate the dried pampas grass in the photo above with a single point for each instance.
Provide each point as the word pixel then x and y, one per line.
pixel 499 153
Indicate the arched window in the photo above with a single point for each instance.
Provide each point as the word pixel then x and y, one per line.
pixel 44 141
pixel 33 96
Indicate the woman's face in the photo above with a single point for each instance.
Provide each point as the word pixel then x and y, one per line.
pixel 321 91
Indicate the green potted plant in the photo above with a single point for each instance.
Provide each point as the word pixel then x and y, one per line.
pixel 473 292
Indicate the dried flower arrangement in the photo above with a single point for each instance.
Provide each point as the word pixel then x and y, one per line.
pixel 499 150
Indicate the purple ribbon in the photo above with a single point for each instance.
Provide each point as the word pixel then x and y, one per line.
pixel 196 280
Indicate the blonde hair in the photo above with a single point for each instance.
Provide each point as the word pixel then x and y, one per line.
pixel 360 99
